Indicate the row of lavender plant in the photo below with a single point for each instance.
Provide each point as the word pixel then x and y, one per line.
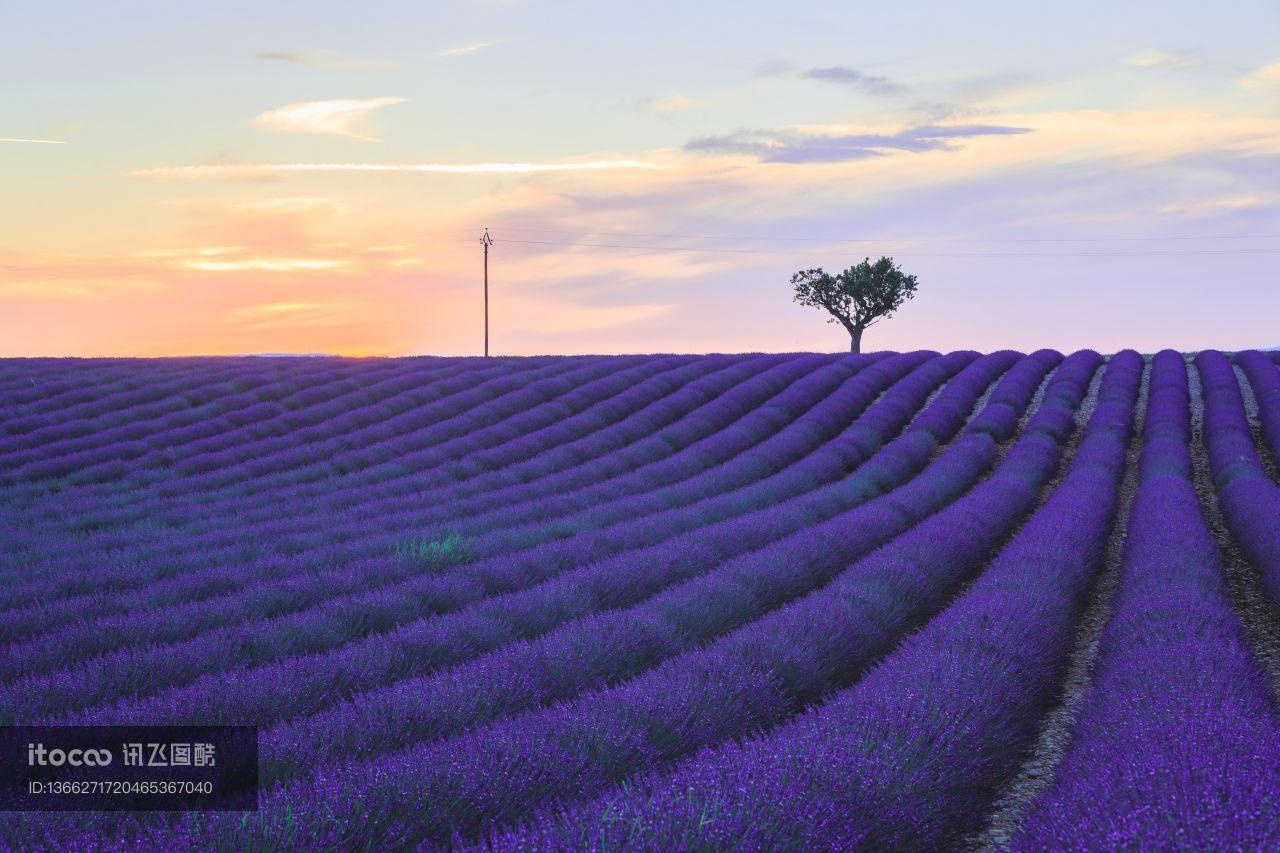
pixel 624 405
pixel 142 405
pixel 185 414
pixel 1250 500
pixel 45 401
pixel 700 608
pixel 913 755
pixel 346 618
pixel 1178 737
pixel 687 397
pixel 109 579
pixel 519 388
pixel 680 404
pixel 160 548
pixel 225 519
pixel 43 392
pixel 524 612
pixel 801 394
pixel 756 446
pixel 751 678
pixel 111 480
pixel 1178 742
pixel 952 472
pixel 132 413
pixel 404 461
pixel 222 442
pixel 412 466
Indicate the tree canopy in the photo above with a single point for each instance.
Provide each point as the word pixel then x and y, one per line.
pixel 858 297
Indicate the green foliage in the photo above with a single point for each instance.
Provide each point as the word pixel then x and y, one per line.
pixel 450 549
pixel 857 297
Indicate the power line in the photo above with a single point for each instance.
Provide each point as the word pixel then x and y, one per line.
pixel 1080 254
pixel 766 238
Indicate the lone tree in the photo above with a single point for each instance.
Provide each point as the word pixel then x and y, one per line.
pixel 858 297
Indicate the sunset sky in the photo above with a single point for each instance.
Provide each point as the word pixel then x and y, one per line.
pixel 200 178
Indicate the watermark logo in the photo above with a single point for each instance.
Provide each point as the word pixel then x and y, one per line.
pixel 178 768
pixel 38 755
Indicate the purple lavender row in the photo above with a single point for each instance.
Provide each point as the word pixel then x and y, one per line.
pixel 377 423
pixel 1178 741
pixel 1264 378
pixel 400 517
pixel 120 482
pixel 135 407
pixel 531 431
pixel 187 589
pixel 344 617
pixel 892 515
pixel 184 414
pixel 759 443
pixel 403 463
pixel 521 612
pixel 751 678
pixel 707 601
pixel 73 506
pixel 715 408
pixel 654 420
pixel 89 383
pixel 377 441
pixel 243 401
pixel 312 407
pixel 410 463
pixel 448 404
pixel 393 418
pixel 807 386
pixel 1250 500
pixel 620 405
pixel 129 399
pixel 597 500
pixel 31 380
pixel 914 754
pixel 101 635
pixel 166 393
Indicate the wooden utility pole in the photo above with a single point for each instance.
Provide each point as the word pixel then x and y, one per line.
pixel 486 241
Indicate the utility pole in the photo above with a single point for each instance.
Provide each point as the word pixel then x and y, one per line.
pixel 486 241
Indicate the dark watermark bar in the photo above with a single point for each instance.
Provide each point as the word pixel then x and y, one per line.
pixel 133 768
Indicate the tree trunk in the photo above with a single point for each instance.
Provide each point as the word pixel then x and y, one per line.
pixel 855 339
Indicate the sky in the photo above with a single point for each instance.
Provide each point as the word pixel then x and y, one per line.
pixel 197 178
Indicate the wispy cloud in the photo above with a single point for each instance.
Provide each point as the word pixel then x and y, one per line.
pixel 34 141
pixel 265 265
pixel 672 104
pixel 1153 58
pixel 793 146
pixel 347 118
pixel 470 47
pixel 277 169
pixel 1268 76
pixel 872 84
pixel 325 60
pixel 1212 205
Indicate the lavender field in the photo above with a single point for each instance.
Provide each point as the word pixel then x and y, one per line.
pixel 887 601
